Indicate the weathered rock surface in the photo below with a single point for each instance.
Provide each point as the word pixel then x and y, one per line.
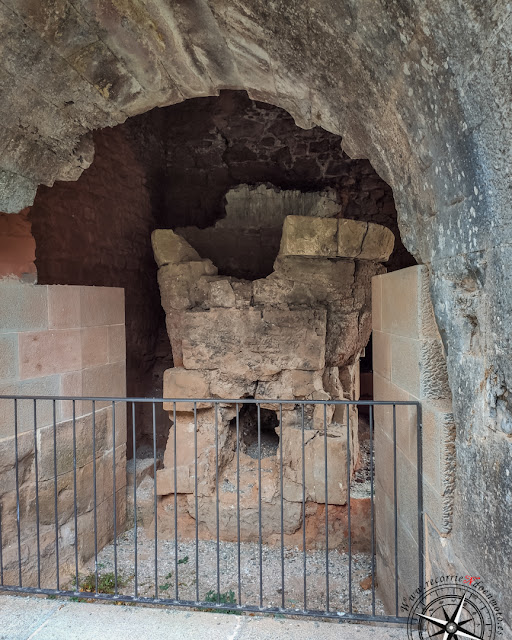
pixel 307 236
pixel 280 338
pixel 443 148
pixel 170 248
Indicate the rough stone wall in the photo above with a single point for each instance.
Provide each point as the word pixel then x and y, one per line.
pixel 246 241
pixel 295 334
pixel 17 247
pixel 420 89
pixel 214 144
pixel 95 231
pixel 59 341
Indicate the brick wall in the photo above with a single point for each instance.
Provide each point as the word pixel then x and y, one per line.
pixel 409 364
pixel 59 340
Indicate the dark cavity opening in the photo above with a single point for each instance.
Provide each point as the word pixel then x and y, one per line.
pixel 249 431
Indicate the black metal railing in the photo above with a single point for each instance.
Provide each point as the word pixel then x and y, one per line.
pixel 287 518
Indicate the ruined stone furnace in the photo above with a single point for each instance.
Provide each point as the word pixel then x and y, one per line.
pixel 296 334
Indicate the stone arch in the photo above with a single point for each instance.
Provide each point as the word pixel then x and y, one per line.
pixel 421 90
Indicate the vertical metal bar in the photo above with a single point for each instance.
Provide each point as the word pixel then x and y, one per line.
pixel 155 499
pixel 217 498
pixel 237 406
pixel 114 491
pixel 36 469
pixel 260 536
pixel 419 454
pixel 395 509
pixel 1 550
pixel 282 499
pixel 326 515
pixel 304 555
pixel 56 493
pixel 77 585
pixel 16 462
pixel 135 532
pixel 176 586
pixel 372 508
pixel 95 496
pixel 196 502
pixel 348 513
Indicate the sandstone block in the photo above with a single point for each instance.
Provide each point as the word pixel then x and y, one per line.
pixel 306 236
pixel 48 352
pixel 382 354
pixel 350 238
pixel 224 385
pixel 314 462
pixel 44 386
pixel 106 380
pixel 253 344
pixel 138 469
pixel 181 383
pixel 64 434
pixel 24 307
pixel 101 306
pixel 400 303
pixel 64 307
pixel 8 356
pixel 377 244
pixel 221 294
pixel 94 346
pixel 305 383
pixel 170 248
pixel 179 284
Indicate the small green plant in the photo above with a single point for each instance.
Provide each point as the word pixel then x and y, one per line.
pixel 228 597
pixel 106 583
pixel 167 585
pixel 183 560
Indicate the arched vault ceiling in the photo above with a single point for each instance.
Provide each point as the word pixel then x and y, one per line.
pixel 419 87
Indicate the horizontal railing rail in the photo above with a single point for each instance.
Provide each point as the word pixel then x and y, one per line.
pixel 275 505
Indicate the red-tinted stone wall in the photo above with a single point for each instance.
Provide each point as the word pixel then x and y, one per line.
pixel 97 231
pixel 17 247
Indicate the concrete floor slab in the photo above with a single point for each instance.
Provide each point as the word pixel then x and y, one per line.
pixel 42 619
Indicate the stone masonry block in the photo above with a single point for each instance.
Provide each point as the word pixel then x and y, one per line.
pixel 64 307
pixel 350 237
pixel 24 307
pixel 306 236
pixel 8 356
pixel 180 383
pixel 377 303
pixel 382 354
pixel 221 294
pixel 406 364
pixel 101 306
pixel 45 353
pixel 94 346
pixel 44 386
pixel 116 343
pixel 64 437
pixel 252 343
pixel 105 380
pixel 400 302
pixel 378 243
pixel 179 284
pixel 170 248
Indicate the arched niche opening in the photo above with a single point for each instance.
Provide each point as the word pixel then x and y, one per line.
pixel 193 167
